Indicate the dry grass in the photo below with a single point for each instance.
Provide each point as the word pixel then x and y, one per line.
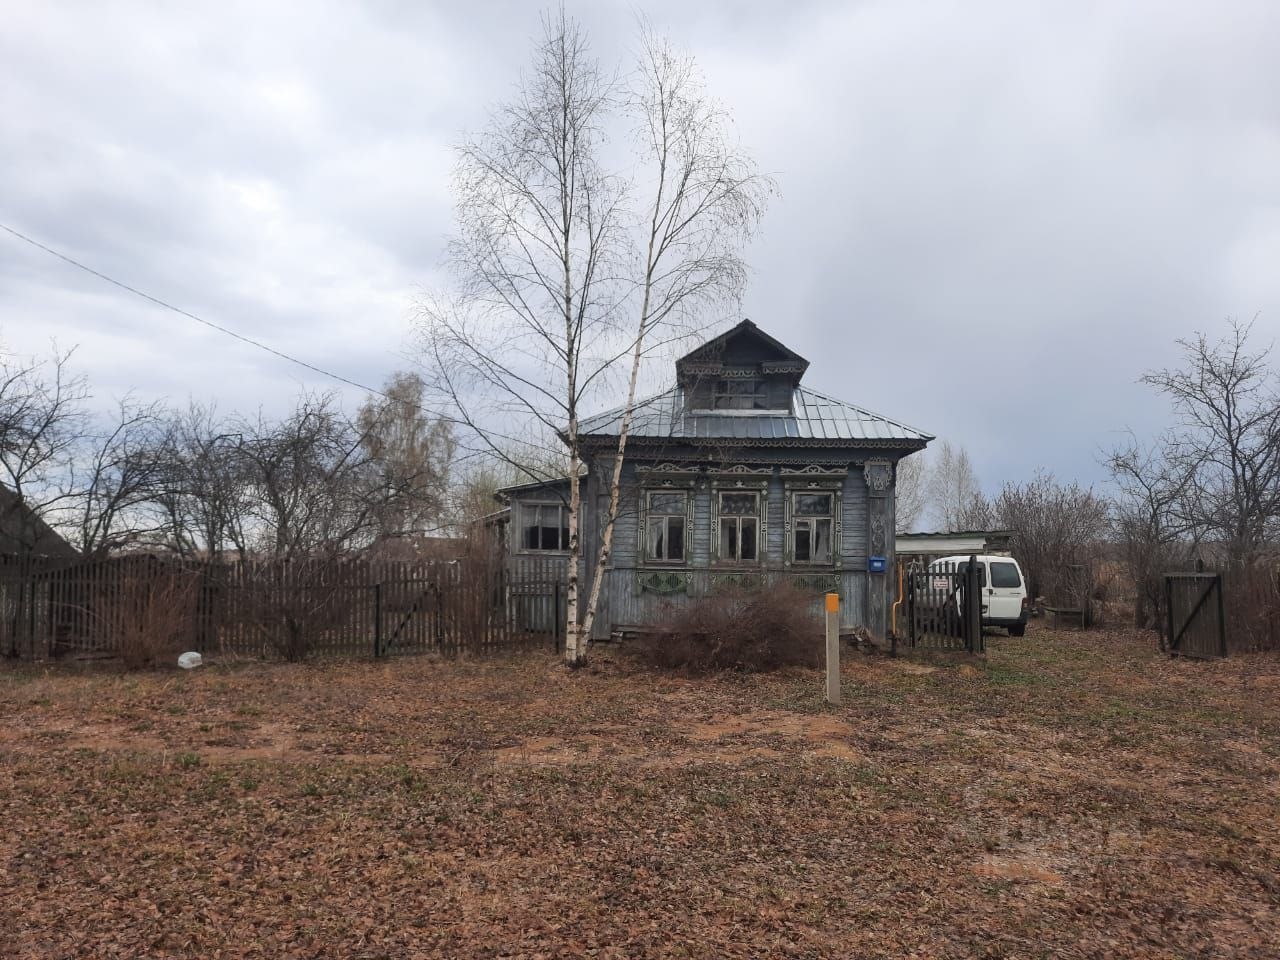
pixel 1072 796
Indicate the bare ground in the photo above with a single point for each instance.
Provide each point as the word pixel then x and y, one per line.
pixel 1073 795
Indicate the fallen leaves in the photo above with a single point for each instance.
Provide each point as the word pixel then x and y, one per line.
pixel 1074 795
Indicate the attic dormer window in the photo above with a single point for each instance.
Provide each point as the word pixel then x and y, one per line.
pixel 743 394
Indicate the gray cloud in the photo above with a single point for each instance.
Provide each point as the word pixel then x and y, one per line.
pixel 993 217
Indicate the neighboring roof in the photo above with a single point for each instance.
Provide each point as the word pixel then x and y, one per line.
pixel 952 542
pixel 23 532
pixel 504 492
pixel 813 417
pixel 955 533
pixel 498 516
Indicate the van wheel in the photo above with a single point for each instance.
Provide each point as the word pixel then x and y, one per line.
pixel 1019 631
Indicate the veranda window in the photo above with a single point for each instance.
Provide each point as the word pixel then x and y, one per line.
pixel 544 526
pixel 811 527
pixel 664 526
pixel 739 526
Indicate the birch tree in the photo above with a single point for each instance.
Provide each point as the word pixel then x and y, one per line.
pixel 573 270
pixel 953 488
pixel 910 495
pixel 706 200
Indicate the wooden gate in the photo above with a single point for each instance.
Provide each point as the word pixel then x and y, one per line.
pixel 944 606
pixel 1195 623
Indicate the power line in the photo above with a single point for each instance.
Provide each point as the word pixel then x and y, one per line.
pixel 186 313
pixel 231 333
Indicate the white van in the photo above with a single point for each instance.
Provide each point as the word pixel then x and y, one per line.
pixel 1003 589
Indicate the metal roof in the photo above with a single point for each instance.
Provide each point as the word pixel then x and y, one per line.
pixel 813 416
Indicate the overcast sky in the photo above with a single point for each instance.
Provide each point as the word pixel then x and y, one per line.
pixel 993 216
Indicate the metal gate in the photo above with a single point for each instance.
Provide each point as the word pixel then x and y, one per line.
pixel 1195 624
pixel 944 606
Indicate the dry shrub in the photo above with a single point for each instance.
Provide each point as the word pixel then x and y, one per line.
pixel 297 606
pixel 148 617
pixel 742 630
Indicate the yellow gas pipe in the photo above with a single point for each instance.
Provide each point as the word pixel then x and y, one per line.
pixel 893 618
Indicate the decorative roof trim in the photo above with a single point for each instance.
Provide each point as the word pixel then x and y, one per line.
pixel 879 443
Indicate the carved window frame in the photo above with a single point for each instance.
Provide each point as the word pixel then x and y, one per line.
pixel 741 479
pixel 814 479
pixel 665 478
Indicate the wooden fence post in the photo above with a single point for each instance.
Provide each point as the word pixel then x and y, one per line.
pixel 833 648
pixel 556 627
pixel 1222 616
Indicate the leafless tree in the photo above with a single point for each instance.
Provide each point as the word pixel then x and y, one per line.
pixel 1226 445
pixel 572 271
pixel 953 491
pixel 312 489
pixel 707 198
pixel 539 242
pixel 118 481
pixel 911 491
pixel 414 452
pixel 42 424
pixel 1150 526
pixel 1058 529
pixel 204 494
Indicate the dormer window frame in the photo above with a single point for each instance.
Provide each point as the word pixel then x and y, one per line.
pixel 733 390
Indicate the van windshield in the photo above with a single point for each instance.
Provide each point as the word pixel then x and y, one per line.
pixel 1005 575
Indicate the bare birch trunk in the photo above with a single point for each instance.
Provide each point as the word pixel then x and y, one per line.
pixel 575 648
pixel 545 242
pixel 615 490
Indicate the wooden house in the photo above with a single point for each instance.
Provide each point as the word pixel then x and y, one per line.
pixel 738 475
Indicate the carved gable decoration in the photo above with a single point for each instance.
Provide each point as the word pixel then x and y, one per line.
pixel 742 352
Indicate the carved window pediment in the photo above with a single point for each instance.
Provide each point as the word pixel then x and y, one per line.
pixel 741 475
pixel 669 474
pixel 815 471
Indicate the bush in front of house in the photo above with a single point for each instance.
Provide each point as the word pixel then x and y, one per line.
pixel 744 630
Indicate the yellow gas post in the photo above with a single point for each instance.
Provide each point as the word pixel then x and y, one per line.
pixel 833 648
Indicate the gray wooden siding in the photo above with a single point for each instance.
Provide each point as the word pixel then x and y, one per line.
pixel 699 554
pixel 776 535
pixel 853 516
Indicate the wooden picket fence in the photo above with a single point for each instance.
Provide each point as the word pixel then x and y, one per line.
pixel 127 606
